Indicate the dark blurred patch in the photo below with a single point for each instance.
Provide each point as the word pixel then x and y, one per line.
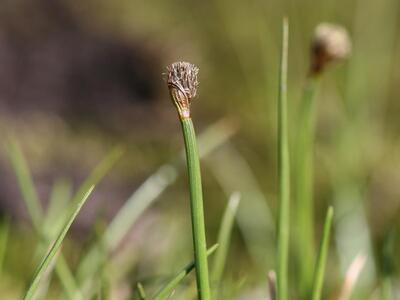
pixel 51 66
pixel 49 63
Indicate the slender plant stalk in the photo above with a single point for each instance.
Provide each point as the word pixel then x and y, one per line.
pixel 224 236
pixel 304 185
pixel 55 247
pixel 283 173
pixel 197 211
pixel 173 283
pixel 323 252
pixel 182 84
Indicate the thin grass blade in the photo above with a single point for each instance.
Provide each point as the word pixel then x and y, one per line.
pixel 55 247
pixel 224 236
pixel 57 208
pixel 141 292
pixel 319 271
pixel 254 218
pixel 25 182
pixel 35 212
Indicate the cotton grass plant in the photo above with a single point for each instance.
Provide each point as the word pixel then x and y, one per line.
pixel 182 84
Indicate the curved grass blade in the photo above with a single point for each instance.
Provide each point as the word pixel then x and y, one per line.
pixel 141 292
pixel 321 261
pixel 166 291
pixel 56 246
pixel 254 218
pixel 224 236
pixel 35 212
pixel 25 182
pixel 99 172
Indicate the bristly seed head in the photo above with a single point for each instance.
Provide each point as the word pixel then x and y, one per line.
pixel 331 43
pixel 182 84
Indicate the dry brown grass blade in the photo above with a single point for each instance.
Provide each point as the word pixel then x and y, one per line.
pixel 352 275
pixel 272 285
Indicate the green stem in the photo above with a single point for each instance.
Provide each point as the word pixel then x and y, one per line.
pixel 283 174
pixel 304 185
pixel 197 212
pixel 321 261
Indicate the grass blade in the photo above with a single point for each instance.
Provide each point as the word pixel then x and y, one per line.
pixel 224 236
pixel 141 292
pixel 99 172
pixel 321 261
pixel 56 209
pixel 25 182
pixel 166 291
pixel 35 212
pixel 254 218
pixel 55 247
pixel 283 173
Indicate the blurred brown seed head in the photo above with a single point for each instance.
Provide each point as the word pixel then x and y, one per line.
pixel 182 84
pixel 330 43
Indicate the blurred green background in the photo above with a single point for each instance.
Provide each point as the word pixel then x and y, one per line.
pixel 77 78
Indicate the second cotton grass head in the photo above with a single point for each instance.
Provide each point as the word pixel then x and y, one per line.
pixel 331 43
